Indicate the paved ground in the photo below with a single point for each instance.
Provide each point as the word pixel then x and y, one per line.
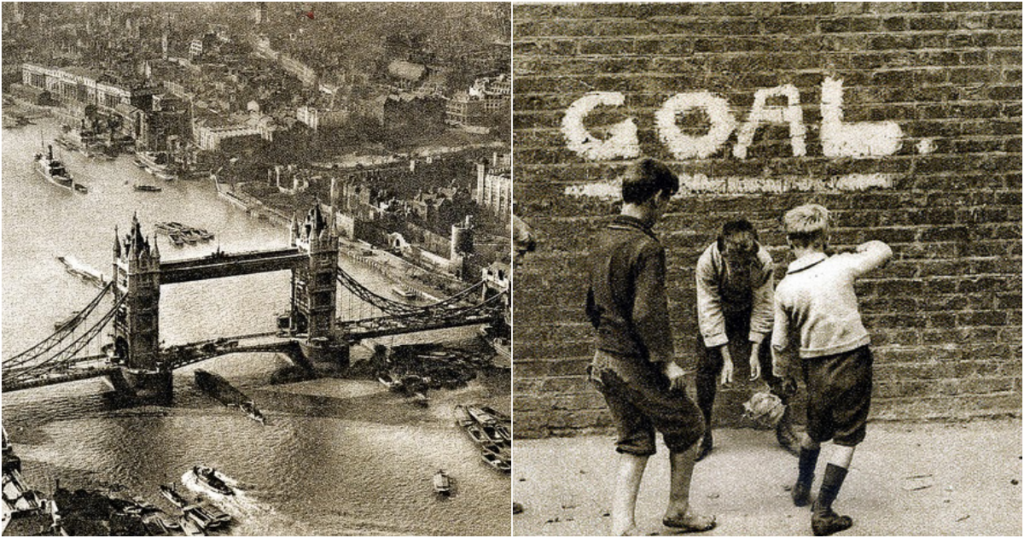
pixel 906 479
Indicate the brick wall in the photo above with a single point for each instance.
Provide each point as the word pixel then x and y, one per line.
pixel 910 132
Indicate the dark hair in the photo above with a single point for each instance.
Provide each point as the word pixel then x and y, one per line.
pixel 645 178
pixel 734 227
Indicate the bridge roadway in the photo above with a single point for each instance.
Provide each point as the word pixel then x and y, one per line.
pixel 220 265
pixel 178 356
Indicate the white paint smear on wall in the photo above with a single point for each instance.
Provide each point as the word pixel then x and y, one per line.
pixel 761 112
pixel 857 140
pixel 622 142
pixel 684 146
pixel 691 184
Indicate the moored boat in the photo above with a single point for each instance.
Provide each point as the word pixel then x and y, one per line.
pixel 404 292
pixel 495 461
pixel 171 494
pixel 390 382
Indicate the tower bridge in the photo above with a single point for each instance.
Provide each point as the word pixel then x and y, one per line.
pixel 135 361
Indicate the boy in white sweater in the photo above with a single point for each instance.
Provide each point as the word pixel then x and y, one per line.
pixel 817 319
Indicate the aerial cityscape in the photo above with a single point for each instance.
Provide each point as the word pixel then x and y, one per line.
pixel 257 268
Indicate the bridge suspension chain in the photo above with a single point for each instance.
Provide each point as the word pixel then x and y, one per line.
pixel 66 354
pixel 59 335
pixel 393 307
pixel 439 314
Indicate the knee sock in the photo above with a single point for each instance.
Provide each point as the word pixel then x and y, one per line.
pixel 808 461
pixel 830 485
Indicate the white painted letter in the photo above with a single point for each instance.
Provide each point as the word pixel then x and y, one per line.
pixel 760 112
pixel 684 146
pixel 858 140
pixel 623 142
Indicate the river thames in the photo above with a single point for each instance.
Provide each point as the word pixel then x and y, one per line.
pixel 337 456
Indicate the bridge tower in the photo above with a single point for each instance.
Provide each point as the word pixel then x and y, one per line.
pixel 137 321
pixel 314 289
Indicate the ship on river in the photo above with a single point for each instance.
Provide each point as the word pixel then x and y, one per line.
pixel 53 170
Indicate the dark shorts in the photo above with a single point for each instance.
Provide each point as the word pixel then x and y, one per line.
pixel 838 396
pixel 643 405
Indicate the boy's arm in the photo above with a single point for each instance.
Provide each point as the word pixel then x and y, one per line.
pixel 868 256
pixel 650 306
pixel 710 318
pixel 781 352
pixel 762 313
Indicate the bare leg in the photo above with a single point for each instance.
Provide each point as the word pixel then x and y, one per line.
pixel 627 485
pixel 678 514
pixel 842 456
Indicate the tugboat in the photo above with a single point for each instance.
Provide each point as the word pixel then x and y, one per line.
pixel 53 170
pixel 442 483
pixel 210 478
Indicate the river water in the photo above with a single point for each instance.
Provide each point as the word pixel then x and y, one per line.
pixel 337 457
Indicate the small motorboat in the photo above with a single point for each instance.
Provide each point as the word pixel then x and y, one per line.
pixel 147 188
pixel 81 188
pixel 210 478
pixel 442 483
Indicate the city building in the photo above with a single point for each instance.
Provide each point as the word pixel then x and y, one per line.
pixel 494 186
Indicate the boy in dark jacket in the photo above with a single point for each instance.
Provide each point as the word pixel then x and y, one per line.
pixel 634 366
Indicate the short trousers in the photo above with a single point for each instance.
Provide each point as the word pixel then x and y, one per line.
pixel 642 406
pixel 838 396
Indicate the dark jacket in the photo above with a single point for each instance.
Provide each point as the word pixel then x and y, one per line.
pixel 626 301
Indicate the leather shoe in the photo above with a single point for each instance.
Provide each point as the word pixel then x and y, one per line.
pixel 801 494
pixel 826 522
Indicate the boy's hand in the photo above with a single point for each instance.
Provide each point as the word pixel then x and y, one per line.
pixel 755 363
pixel 726 365
pixel 675 374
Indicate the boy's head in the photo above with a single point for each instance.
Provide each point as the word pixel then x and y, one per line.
pixel 807 226
pixel 647 179
pixel 738 240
